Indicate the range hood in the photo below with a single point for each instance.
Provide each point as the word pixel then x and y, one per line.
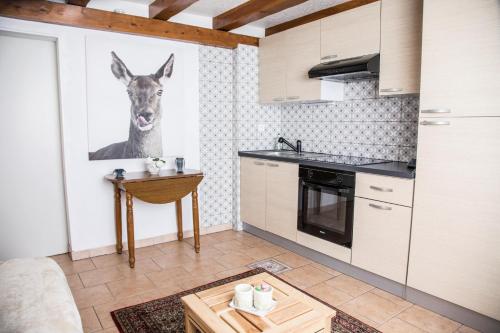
pixel 363 67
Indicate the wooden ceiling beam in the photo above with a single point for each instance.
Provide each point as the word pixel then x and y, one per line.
pixel 317 15
pixel 165 9
pixel 82 17
pixel 251 11
pixel 82 3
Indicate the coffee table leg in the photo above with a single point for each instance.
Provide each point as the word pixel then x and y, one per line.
pixel 188 324
pixel 196 221
pixel 130 231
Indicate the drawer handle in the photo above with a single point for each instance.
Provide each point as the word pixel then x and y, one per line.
pixel 293 97
pixel 434 123
pixel 391 90
pixel 328 57
pixel 380 207
pixel 278 99
pixel 381 189
pixel 258 163
pixel 436 111
pixel 273 165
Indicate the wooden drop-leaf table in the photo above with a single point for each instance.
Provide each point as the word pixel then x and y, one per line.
pixel 168 186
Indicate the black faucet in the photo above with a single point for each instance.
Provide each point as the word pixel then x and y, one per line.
pixel 297 149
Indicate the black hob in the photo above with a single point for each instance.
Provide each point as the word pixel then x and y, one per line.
pixel 341 159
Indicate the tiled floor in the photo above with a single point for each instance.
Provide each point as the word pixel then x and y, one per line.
pixel 106 283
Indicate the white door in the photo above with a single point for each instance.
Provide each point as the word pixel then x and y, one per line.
pixel 32 204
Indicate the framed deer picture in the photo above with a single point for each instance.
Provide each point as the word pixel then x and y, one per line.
pixel 130 87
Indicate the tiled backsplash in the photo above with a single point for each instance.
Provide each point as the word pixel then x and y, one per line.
pixel 231 119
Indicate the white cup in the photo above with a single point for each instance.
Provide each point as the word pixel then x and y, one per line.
pixel 262 300
pixel 243 295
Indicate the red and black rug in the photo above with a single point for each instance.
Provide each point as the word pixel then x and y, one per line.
pixel 166 315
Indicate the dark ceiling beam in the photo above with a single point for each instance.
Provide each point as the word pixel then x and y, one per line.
pixel 317 15
pixel 251 11
pixel 165 9
pixel 81 3
pixel 82 17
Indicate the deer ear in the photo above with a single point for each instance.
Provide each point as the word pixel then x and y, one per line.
pixel 120 71
pixel 166 69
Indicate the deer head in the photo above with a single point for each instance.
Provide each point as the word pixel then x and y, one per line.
pixel 144 92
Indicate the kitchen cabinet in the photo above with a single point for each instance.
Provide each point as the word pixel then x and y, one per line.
pixel 284 62
pixel 269 195
pixel 381 236
pixel 460 58
pixel 384 188
pixel 253 192
pixel 456 221
pixel 400 46
pixel 352 33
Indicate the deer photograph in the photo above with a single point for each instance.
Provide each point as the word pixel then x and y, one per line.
pixel 145 96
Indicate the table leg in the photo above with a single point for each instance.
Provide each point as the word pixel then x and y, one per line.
pixel 118 219
pixel 130 231
pixel 196 221
pixel 178 211
pixel 188 324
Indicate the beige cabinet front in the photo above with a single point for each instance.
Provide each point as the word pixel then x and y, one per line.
pixel 460 58
pixel 352 33
pixel 456 222
pixel 282 199
pixel 272 69
pixel 381 236
pixel 253 192
pixel 400 46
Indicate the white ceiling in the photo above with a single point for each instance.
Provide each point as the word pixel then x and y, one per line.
pixel 201 12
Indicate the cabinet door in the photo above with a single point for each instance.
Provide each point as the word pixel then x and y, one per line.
pixel 400 46
pixel 253 192
pixel 302 53
pixel 352 33
pixel 381 237
pixel 282 199
pixel 460 58
pixel 454 252
pixel 272 69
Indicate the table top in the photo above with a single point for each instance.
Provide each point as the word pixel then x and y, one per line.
pixel 295 311
pixel 142 176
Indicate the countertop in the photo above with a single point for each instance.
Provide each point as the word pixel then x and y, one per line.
pixel 386 168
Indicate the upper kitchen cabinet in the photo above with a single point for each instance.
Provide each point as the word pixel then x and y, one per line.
pixel 352 33
pixel 284 61
pixel 460 58
pixel 400 46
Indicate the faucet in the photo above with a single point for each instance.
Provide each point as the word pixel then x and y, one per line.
pixel 297 148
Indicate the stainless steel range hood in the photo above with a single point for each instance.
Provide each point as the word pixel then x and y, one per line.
pixel 363 67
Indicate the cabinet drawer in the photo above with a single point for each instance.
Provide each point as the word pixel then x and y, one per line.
pixel 330 249
pixel 381 237
pixel 389 189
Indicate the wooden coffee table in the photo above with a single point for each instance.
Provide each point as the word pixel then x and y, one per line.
pixel 208 311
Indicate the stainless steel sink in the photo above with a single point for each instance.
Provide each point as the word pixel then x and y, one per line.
pixel 286 153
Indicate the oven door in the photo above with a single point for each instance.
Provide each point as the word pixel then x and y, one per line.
pixel 326 211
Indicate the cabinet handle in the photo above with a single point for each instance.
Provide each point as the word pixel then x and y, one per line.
pixel 293 97
pixel 381 189
pixel 434 123
pixel 328 57
pixel 391 90
pixel 435 111
pixel 380 207
pixel 273 165
pixel 278 99
pixel 258 163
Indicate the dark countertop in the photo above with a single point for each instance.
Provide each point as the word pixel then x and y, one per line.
pixel 388 168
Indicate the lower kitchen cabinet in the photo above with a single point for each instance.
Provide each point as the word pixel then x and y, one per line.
pixel 253 192
pixel 381 236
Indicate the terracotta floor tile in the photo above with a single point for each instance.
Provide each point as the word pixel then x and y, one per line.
pixel 74 282
pixel 146 252
pixel 90 322
pixel 329 270
pixel 172 260
pixel 141 267
pixel 233 260
pixel 206 252
pixel 226 235
pixel 204 240
pixel 160 293
pixel 349 285
pixel 104 310
pixel 175 247
pixel 393 298
pixel 329 294
pixel 262 252
pixel 168 277
pixel 231 272
pixel 428 321
pixel 130 286
pixel 87 297
pixel 204 267
pixel 109 260
pixel 374 307
pixel 465 329
pixel 100 276
pixel 195 281
pixel 306 276
pixel 349 311
pixel 61 258
pixel 252 241
pixel 231 246
pixel 293 260
pixel 74 267
pixel 396 325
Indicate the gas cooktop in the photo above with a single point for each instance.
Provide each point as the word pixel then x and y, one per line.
pixel 341 159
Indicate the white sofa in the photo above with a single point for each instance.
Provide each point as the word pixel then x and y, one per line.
pixel 35 297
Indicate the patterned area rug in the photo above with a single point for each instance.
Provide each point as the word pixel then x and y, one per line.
pixel 166 315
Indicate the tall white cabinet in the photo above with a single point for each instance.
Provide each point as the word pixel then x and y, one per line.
pixel 456 217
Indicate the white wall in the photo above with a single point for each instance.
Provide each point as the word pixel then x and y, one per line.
pixel 89 198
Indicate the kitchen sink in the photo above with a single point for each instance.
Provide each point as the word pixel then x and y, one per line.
pixel 287 153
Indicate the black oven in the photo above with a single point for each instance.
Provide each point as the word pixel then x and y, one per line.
pixel 326 204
